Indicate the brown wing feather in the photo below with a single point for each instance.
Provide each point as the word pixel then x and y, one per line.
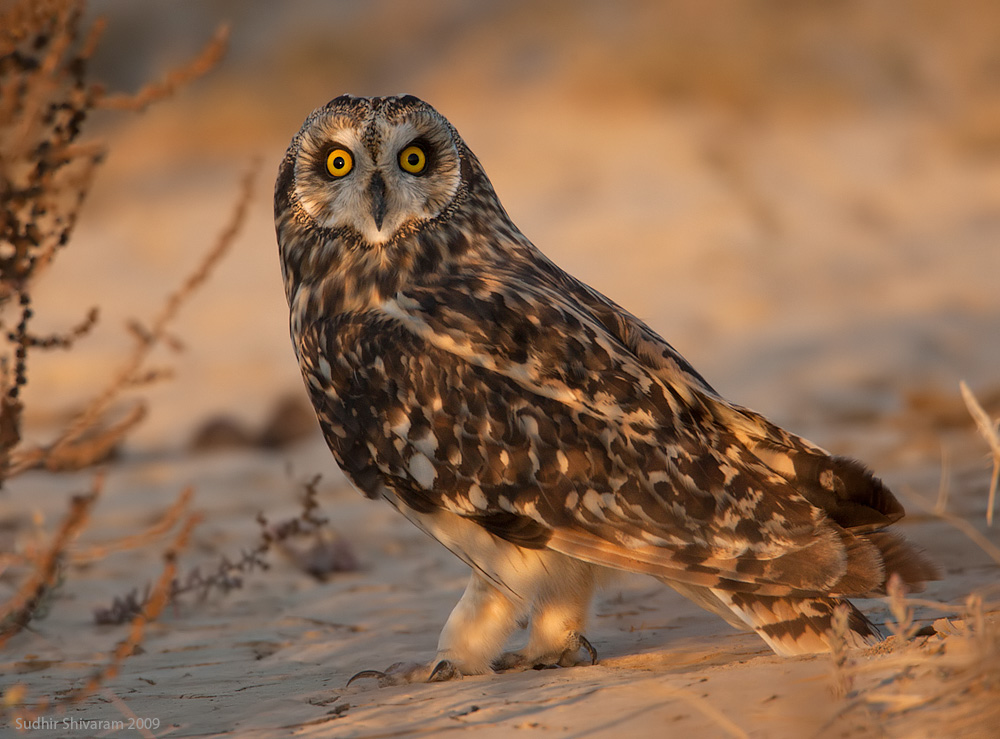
pixel 657 487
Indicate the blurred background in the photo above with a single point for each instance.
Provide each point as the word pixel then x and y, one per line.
pixel 803 198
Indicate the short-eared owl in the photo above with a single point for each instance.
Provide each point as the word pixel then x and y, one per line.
pixel 537 429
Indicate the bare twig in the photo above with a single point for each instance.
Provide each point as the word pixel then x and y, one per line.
pixel 96 446
pixel 327 554
pixel 128 713
pixel 18 611
pixel 958 522
pixel 132 370
pixel 175 79
pixel 903 627
pixel 152 610
pixel 839 651
pixel 941 505
pixel 989 430
pixel 165 522
pixel 154 606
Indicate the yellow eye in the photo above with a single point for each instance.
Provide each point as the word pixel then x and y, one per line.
pixel 339 162
pixel 412 159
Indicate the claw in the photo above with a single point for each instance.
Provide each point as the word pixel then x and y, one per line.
pixel 404 673
pixel 568 658
pixel 443 670
pixel 588 648
pixel 366 673
pixel 575 643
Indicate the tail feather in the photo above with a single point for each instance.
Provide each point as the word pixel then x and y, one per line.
pixel 793 626
pixel 852 498
pixel 789 625
pixel 846 490
pixel 865 570
pixel 901 558
pixel 872 558
pixel 852 555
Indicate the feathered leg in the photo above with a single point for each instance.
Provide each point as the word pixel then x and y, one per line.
pixel 478 627
pixel 475 632
pixel 558 618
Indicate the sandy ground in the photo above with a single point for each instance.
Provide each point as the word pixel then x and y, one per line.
pixel 273 658
pixel 837 272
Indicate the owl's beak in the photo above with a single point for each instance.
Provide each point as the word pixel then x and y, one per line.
pixel 376 188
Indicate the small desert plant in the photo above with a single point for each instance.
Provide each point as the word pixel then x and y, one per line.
pixel 45 174
pixel 325 553
pixel 934 681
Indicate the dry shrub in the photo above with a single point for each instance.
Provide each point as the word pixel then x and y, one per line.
pixel 45 174
pixel 947 684
pixel 45 564
pixel 323 553
pixel 158 599
pixel 939 681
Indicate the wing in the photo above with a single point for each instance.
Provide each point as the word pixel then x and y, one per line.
pixel 842 488
pixel 534 410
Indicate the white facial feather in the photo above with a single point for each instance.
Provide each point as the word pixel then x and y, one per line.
pixel 375 147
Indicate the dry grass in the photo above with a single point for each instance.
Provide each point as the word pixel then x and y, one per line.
pixel 45 175
pixel 15 697
pixel 942 685
pixel 44 566
pixel 928 685
pixel 989 430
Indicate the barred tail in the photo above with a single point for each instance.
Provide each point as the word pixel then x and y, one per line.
pixel 792 626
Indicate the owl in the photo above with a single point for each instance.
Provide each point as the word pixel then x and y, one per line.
pixel 537 429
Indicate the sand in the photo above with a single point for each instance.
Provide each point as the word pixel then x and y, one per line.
pixel 836 271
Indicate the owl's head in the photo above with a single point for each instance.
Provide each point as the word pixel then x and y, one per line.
pixel 372 170
pixel 375 194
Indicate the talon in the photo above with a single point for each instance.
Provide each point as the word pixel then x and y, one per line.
pixel 574 643
pixel 588 648
pixel 366 673
pixel 443 670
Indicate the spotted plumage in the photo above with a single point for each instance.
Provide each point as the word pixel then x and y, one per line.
pixel 537 429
